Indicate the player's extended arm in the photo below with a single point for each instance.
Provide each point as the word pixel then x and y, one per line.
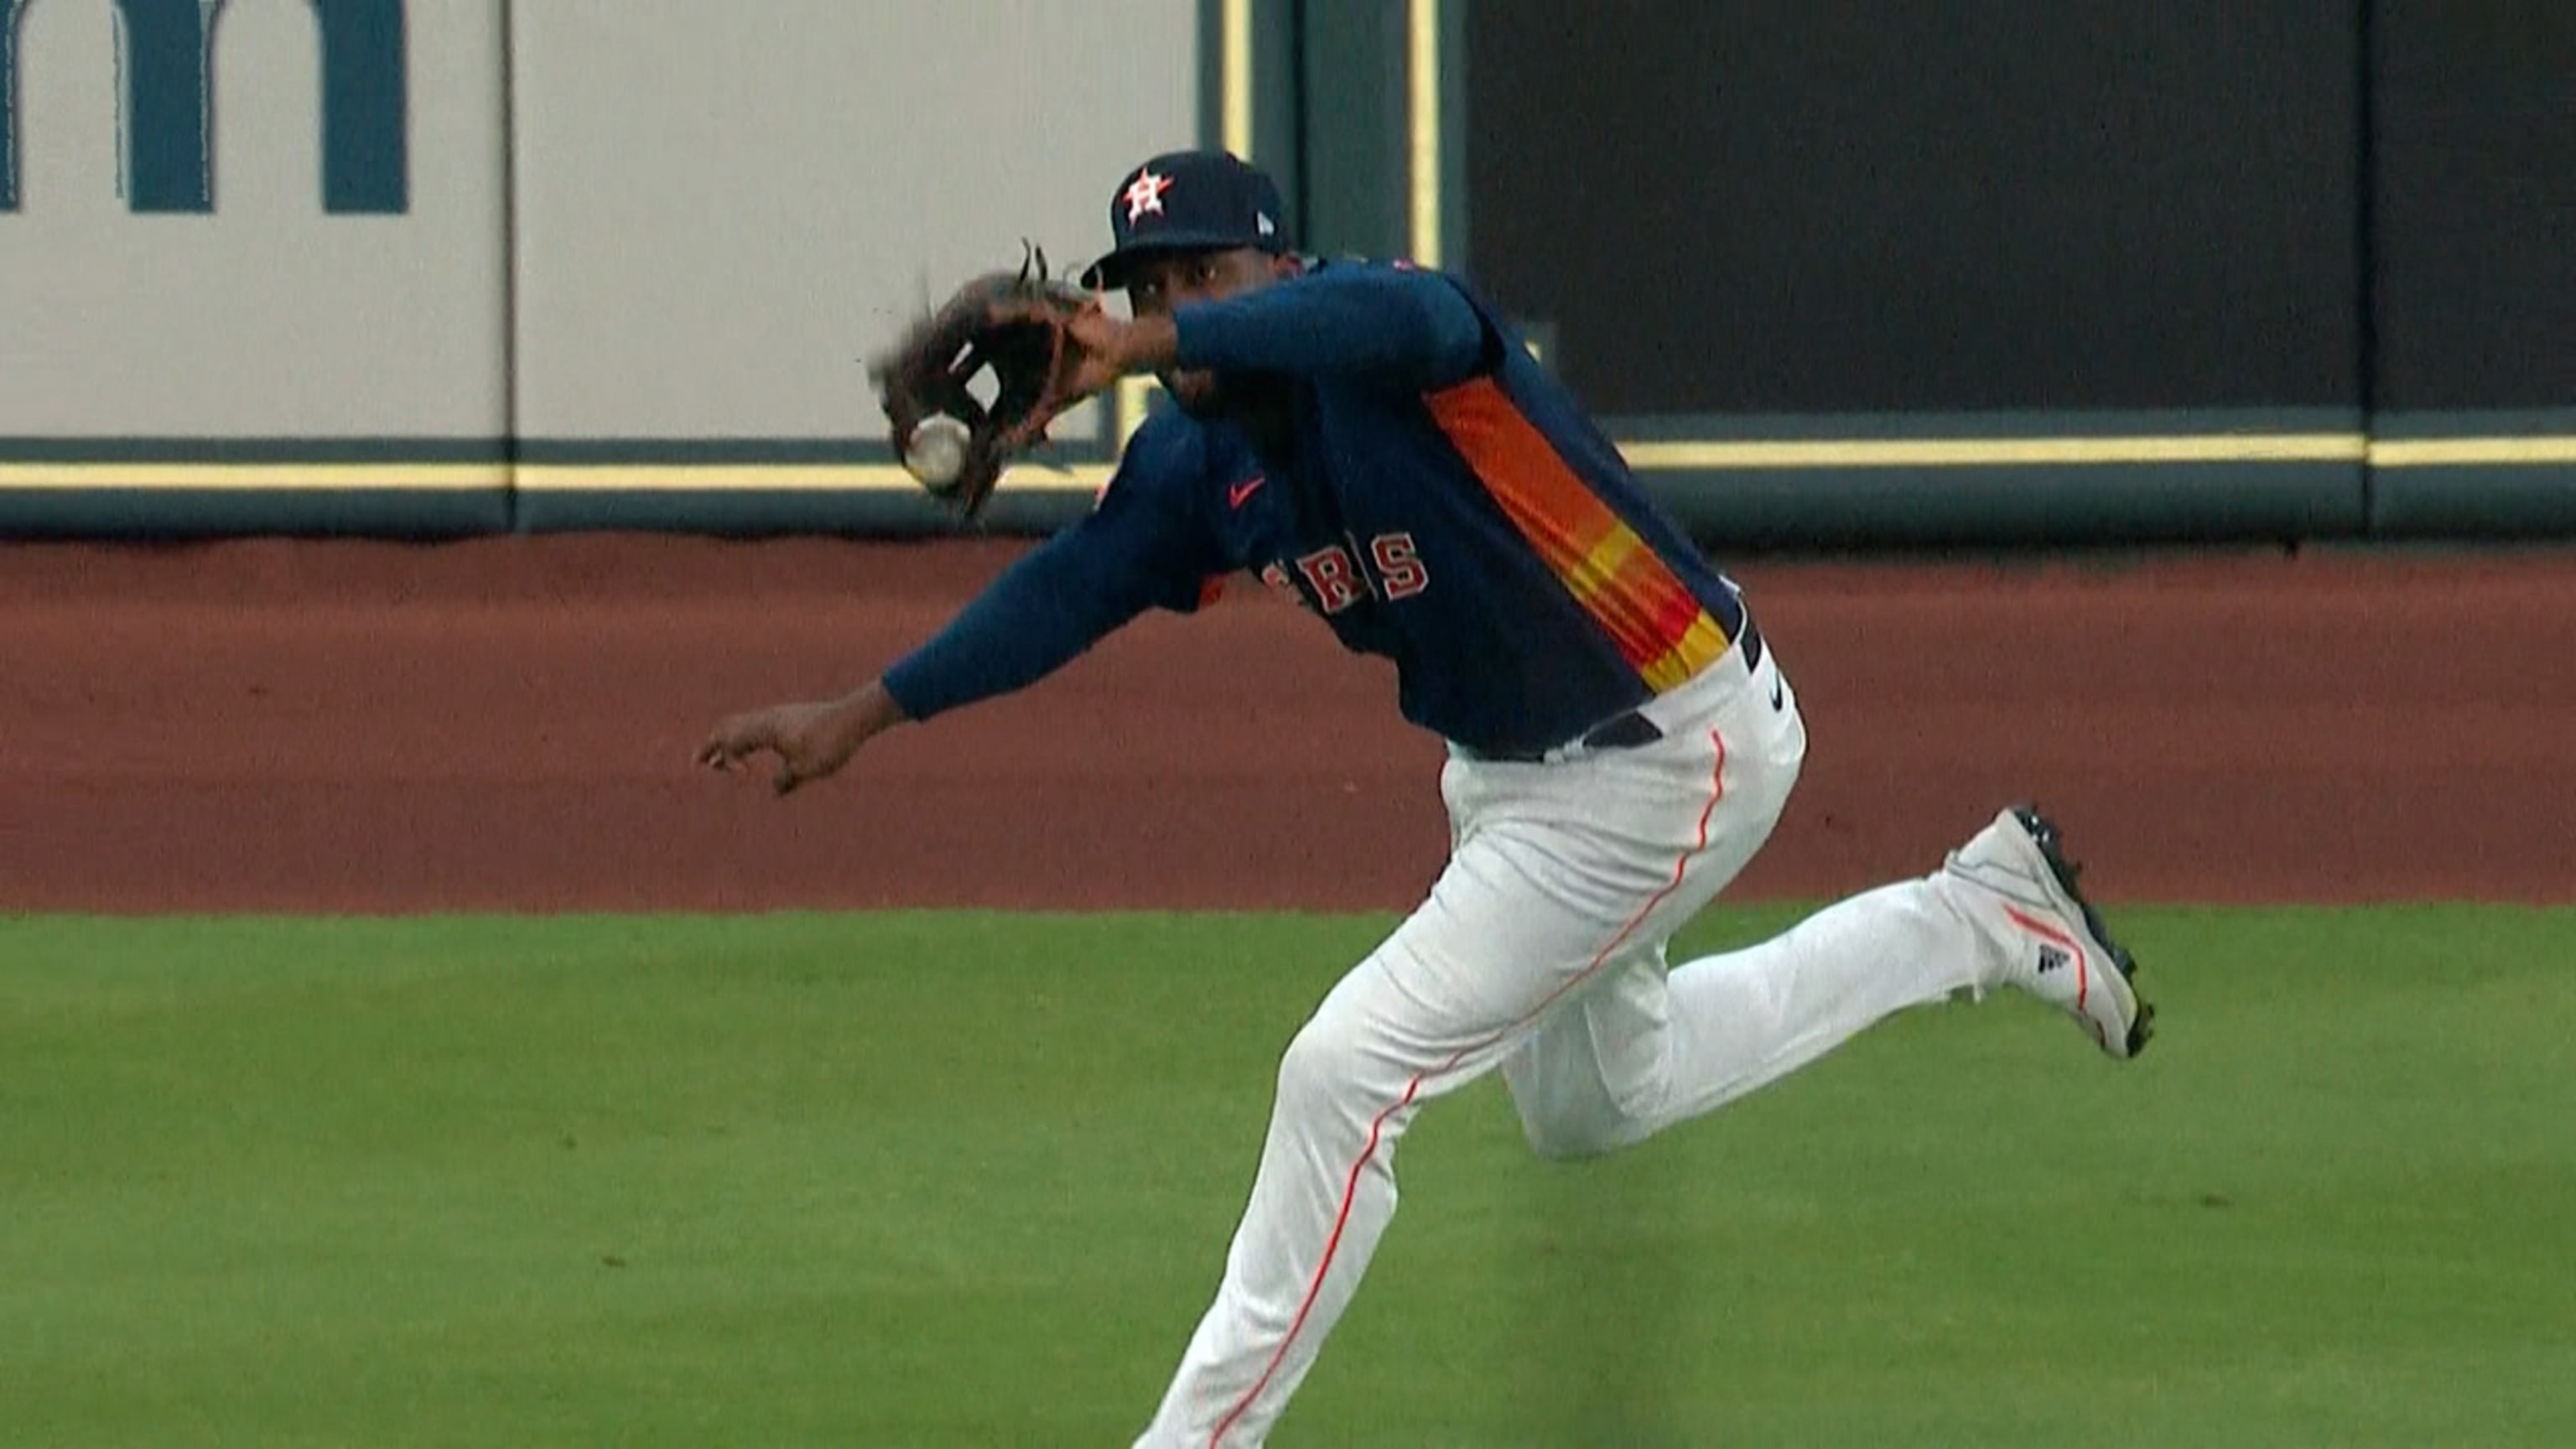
pixel 1032 620
pixel 1049 606
pixel 1409 328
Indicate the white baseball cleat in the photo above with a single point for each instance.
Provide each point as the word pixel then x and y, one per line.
pixel 2069 960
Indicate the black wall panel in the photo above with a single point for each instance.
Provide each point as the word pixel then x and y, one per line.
pixel 1884 205
pixel 2474 203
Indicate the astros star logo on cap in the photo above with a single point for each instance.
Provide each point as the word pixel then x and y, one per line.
pixel 1145 193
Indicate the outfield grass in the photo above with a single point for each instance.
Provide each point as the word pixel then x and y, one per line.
pixel 920 1179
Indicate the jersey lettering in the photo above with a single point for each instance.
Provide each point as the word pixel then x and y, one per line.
pixel 1335 580
pixel 1390 569
pixel 1277 578
pixel 1399 566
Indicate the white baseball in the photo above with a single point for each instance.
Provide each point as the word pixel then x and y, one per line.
pixel 938 451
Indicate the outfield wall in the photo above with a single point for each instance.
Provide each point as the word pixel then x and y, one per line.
pixel 1834 274
pixel 610 264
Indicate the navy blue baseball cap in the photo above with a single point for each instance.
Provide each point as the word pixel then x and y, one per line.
pixel 1189 201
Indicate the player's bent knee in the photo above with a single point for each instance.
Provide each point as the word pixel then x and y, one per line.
pixel 1327 1067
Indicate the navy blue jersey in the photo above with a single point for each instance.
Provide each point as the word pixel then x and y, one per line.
pixel 1441 501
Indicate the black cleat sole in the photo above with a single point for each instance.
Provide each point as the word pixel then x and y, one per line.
pixel 2052 848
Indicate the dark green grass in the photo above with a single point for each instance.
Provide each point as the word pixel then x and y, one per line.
pixel 936 1180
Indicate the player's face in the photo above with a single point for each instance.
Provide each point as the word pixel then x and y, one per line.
pixel 1156 285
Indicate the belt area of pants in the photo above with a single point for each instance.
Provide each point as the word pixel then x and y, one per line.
pixel 1629 728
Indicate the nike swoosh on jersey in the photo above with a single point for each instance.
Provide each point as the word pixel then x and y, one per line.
pixel 1235 495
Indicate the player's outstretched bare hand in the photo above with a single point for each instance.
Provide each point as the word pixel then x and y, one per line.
pixel 808 741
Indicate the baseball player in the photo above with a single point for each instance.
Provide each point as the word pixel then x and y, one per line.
pixel 1373 441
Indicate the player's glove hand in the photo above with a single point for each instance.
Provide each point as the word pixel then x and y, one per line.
pixel 1026 329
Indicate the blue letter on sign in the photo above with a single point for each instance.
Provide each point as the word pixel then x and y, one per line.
pixel 9 104
pixel 169 129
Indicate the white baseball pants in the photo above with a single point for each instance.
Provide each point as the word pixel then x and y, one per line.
pixel 1540 951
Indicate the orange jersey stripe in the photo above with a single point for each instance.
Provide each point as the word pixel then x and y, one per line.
pixel 1652 618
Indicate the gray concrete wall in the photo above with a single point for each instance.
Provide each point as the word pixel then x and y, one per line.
pixel 265 317
pixel 721 207
pixel 621 219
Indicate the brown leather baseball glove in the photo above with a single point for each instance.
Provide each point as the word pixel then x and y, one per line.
pixel 1010 322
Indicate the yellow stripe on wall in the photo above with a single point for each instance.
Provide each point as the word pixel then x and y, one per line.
pixel 1654 456
pixel 2152 448
pixel 460 477
pixel 1234 77
pixel 564 478
pixel 1422 108
pixel 779 477
pixel 1987 452
pixel 2453 452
